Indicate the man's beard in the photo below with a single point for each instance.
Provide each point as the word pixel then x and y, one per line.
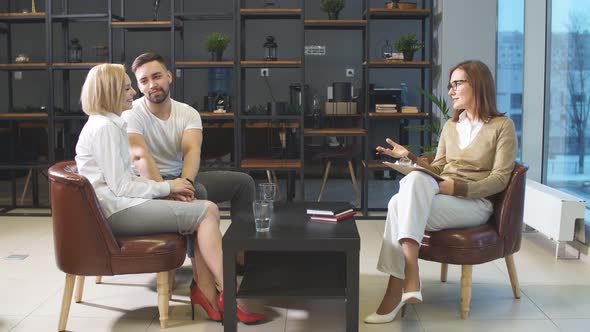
pixel 158 99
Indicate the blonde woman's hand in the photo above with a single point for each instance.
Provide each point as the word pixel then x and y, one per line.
pixel 180 197
pixel 396 150
pixel 181 186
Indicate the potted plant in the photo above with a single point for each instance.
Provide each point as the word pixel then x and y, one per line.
pixel 216 43
pixel 433 128
pixel 332 7
pixel 408 44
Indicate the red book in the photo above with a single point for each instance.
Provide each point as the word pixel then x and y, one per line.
pixel 333 218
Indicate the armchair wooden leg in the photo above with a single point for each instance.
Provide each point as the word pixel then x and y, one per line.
pixel 172 281
pixel 98 280
pixel 466 274
pixel 513 276
pixel 79 289
pixel 326 172
pixel 66 301
pixel 163 297
pixel 444 269
pixel 354 183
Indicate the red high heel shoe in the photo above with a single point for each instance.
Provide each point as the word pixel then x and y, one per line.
pixel 197 297
pixel 244 317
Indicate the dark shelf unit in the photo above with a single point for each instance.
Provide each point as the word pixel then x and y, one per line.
pixel 335 24
pixel 14 122
pixel 422 67
pixel 182 62
pixel 97 17
pixel 236 120
pixel 285 163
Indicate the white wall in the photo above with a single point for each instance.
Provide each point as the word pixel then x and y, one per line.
pixel 467 30
pixel 533 96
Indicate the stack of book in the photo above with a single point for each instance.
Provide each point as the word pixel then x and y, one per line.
pixel 330 212
pixel 386 108
pixel 409 109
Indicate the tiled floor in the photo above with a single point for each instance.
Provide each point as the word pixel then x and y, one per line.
pixel 555 294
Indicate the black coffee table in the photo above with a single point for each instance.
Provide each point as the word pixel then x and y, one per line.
pixel 298 258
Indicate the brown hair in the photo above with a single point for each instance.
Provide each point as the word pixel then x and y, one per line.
pixel 484 89
pixel 145 58
pixel 103 90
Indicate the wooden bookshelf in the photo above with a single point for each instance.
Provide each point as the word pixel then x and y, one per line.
pixel 275 164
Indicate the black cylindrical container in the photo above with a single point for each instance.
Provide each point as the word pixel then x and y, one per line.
pixel 342 91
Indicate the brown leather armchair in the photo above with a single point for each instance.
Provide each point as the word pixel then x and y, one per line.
pixel 500 237
pixel 86 246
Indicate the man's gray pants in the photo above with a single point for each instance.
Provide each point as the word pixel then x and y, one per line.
pixel 220 186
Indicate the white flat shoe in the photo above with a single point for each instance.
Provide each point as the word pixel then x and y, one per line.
pixel 375 318
pixel 413 297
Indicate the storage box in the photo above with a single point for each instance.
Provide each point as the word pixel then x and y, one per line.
pixel 341 108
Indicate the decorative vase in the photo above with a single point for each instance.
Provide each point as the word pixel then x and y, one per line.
pixel 408 55
pixel 394 4
pixel 155 8
pixel 386 50
pixel 333 15
pixel 216 55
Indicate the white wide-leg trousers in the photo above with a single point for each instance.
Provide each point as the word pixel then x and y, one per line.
pixel 418 207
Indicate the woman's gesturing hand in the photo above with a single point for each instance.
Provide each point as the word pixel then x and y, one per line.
pixel 181 186
pixel 396 150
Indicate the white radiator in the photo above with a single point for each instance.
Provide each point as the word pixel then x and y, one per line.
pixel 552 212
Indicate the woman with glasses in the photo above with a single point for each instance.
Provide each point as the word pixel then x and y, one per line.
pixel 475 156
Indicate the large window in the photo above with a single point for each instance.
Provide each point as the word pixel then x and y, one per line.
pixel 567 139
pixel 509 66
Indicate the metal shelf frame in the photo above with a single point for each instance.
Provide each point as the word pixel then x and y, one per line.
pixel 238 16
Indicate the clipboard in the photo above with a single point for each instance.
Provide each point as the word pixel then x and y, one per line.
pixel 405 170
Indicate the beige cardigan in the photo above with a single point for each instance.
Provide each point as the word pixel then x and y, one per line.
pixel 481 169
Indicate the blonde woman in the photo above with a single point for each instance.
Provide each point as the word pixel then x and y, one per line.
pixel 129 202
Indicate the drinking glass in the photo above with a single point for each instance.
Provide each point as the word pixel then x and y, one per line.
pixel 262 214
pixel 267 191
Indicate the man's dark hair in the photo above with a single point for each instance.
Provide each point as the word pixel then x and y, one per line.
pixel 145 58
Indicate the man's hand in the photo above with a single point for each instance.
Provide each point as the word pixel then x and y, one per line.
pixel 446 187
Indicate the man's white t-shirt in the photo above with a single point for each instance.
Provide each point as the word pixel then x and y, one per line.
pixel 163 137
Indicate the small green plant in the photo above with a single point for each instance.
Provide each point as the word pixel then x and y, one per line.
pixel 433 128
pixel 408 43
pixel 332 6
pixel 216 42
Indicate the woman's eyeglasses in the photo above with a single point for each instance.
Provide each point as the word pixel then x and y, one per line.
pixel 455 84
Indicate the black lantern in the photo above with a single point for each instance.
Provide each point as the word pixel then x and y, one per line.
pixel 270 49
pixel 75 51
